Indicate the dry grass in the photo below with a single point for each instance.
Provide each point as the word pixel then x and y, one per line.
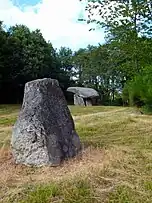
pixel 114 167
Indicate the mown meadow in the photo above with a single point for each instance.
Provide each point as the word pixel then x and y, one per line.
pixel 115 165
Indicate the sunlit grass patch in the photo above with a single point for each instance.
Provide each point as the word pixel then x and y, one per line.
pixel 5 133
pixel 80 110
pixel 9 109
pixel 115 166
pixel 126 194
pixel 66 192
pixel 7 121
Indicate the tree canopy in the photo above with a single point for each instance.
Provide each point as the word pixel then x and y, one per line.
pixel 25 55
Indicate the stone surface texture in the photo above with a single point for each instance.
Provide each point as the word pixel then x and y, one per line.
pixel 44 133
pixel 88 102
pixel 79 101
pixel 84 96
pixel 84 92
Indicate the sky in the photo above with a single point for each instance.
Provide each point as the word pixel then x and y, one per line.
pixel 57 20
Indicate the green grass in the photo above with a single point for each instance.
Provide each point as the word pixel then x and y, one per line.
pixel 5 137
pixel 8 109
pixel 116 167
pixel 102 131
pixel 7 121
pixel 78 110
pixel 78 192
pixel 124 194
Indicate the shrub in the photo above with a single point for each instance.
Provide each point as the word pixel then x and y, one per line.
pixel 138 91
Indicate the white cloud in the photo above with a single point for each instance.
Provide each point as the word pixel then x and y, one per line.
pixel 57 21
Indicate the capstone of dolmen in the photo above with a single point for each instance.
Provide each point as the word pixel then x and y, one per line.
pixel 44 133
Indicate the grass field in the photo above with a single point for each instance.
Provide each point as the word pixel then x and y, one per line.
pixel 115 166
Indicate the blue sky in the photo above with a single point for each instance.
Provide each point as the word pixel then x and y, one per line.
pixel 25 2
pixel 57 20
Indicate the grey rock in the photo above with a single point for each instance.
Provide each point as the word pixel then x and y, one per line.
pixel 79 101
pixel 44 133
pixel 84 96
pixel 88 102
pixel 84 92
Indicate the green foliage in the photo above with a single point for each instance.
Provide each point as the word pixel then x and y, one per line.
pixel 139 90
pixel 65 56
pixel 25 56
pixel 65 59
pixel 132 14
pixel 124 22
pixel 128 48
pixel 95 68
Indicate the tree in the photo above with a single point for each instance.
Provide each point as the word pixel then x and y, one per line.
pixel 25 56
pixel 125 23
pixel 37 53
pixel 133 14
pixel 138 91
pixel 65 56
pixel 79 60
pixel 96 68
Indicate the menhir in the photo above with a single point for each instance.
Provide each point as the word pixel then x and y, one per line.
pixel 44 133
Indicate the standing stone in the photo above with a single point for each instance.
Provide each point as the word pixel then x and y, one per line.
pixel 88 102
pixel 78 101
pixel 44 133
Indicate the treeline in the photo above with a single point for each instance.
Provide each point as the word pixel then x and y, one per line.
pixel 120 70
pixel 124 63
pixel 25 56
